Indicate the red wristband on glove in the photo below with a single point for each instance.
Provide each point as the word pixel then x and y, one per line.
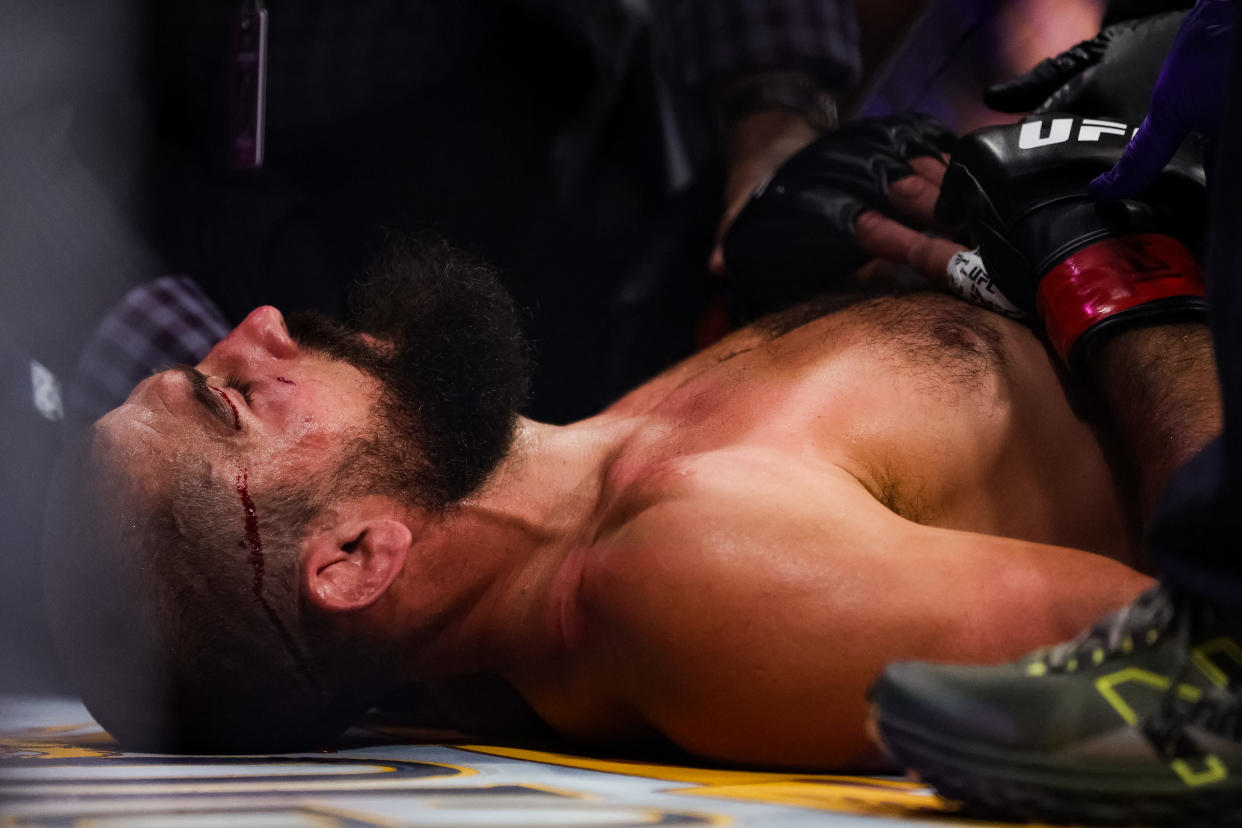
pixel 1112 276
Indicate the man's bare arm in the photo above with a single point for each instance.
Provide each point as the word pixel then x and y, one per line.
pixel 1160 386
pixel 750 634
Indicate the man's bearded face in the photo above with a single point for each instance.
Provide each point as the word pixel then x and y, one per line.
pixel 421 390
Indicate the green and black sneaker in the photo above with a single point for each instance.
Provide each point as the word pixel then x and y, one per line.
pixel 1136 721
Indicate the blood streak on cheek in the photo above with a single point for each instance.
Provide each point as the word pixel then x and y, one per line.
pixel 254 543
pixel 286 381
pixel 236 415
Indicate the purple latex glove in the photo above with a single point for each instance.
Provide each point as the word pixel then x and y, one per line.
pixel 1189 95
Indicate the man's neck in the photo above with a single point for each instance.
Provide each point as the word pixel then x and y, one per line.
pixel 485 588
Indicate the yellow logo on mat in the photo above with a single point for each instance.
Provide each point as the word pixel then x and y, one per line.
pixel 79 741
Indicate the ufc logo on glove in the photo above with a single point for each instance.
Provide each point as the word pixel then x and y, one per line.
pixel 1059 131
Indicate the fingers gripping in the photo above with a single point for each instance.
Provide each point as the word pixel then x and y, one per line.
pixel 795 236
pixel 915 195
pixel 931 167
pixel 883 238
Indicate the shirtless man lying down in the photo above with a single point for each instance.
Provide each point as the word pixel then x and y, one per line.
pixel 250 551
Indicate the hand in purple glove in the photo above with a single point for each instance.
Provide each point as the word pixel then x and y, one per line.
pixel 1189 95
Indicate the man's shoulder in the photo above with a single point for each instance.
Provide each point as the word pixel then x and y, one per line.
pixel 737 564
pixel 672 497
pixel 713 518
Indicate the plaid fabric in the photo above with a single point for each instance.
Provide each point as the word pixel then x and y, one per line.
pixel 156 324
pixel 718 38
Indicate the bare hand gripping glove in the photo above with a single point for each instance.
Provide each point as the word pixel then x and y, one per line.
pixel 1081 267
pixel 1111 75
pixel 794 239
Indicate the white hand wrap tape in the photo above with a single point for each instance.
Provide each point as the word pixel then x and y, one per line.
pixel 969 279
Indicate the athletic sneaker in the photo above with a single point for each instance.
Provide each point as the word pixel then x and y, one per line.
pixel 1138 720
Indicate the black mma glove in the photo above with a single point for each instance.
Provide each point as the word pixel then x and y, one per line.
pixel 794 238
pixel 1080 266
pixel 1110 75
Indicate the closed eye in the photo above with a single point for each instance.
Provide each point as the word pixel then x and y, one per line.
pixel 239 385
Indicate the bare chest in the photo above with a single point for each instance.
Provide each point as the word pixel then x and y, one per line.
pixel 947 418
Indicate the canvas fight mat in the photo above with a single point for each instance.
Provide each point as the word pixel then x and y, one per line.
pixel 57 767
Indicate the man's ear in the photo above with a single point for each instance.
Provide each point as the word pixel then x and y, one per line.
pixel 348 563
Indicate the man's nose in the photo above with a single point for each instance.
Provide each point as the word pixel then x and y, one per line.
pixel 261 333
